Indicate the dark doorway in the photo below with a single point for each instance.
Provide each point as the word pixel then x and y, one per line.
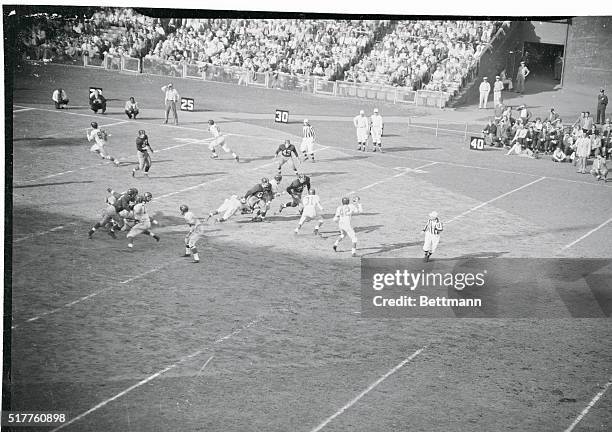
pixel 545 61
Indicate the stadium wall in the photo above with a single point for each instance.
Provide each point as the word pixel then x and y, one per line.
pixel 588 54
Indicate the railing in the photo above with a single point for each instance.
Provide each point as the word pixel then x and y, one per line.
pixel 273 80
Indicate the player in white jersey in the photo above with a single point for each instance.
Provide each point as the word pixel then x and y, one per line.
pixel 218 141
pixel 343 217
pixel 100 136
pixel 308 140
pixel 195 233
pixel 312 208
pixel 142 220
pixel 228 209
pixel 275 185
pixel 361 125
pixel 376 130
pixel 432 231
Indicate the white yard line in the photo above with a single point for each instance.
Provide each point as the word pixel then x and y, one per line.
pixel 22 110
pixel 107 125
pixel 29 236
pixel 588 407
pixel 494 199
pixel 158 374
pixel 88 296
pixel 366 391
pixel 567 246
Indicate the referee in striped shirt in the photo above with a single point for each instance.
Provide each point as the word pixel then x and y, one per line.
pixel 432 230
pixel 171 99
pixel 308 139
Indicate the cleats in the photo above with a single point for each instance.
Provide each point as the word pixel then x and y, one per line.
pixel 156 237
pixel 133 173
pixel 335 248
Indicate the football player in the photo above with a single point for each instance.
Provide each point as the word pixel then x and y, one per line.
pixel 257 199
pixel 295 189
pixel 312 208
pixel 287 151
pixel 101 139
pixel 275 185
pixel 228 209
pixel 219 140
pixel 308 140
pixel 116 203
pixel 343 217
pixel 195 233
pixel 142 149
pixel 142 219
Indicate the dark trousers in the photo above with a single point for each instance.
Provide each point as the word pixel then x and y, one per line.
pixel 59 104
pixel 601 114
pixel 95 106
pixel 171 106
pixel 131 113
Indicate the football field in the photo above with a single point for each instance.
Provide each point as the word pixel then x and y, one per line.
pixel 265 334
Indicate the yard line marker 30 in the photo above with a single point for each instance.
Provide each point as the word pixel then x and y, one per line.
pixel 157 374
pixel 366 391
pixel 567 246
pixel 588 407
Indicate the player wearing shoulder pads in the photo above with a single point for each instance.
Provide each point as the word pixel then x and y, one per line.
pixel 343 216
pixel 218 141
pixel 312 208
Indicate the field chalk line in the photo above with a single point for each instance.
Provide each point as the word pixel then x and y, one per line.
pixel 366 391
pixel 158 374
pixel 494 199
pixel 567 246
pixel 588 407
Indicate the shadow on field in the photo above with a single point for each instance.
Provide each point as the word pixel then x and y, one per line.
pixel 50 184
pixel 201 174
pixel 126 163
pixel 254 159
pixel 388 247
pixel 405 149
pixel 346 158
pixel 318 174
pixel 51 141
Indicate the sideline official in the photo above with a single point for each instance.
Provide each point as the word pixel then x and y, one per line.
pixel 171 99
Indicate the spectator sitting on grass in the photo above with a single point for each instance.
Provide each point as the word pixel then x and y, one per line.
pixel 558 155
pixel 599 169
pixel 60 98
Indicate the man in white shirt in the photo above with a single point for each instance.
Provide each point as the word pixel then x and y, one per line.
pixel 376 129
pixel 361 125
pixel 171 98
pixel 485 89
pixel 60 98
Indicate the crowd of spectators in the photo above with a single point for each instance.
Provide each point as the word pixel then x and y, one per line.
pixel 108 32
pixel 438 53
pixel 322 48
pixel 523 135
pixel 415 53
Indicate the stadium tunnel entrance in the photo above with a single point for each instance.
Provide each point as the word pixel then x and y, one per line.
pixel 544 60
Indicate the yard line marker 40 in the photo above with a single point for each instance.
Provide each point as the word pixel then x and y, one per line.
pixel 366 391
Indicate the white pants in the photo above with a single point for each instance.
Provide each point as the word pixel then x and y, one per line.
pixel 362 135
pixel 431 242
pixel 484 96
pixel 349 231
pixel 219 141
pixel 307 145
pixel 376 135
pixel 497 98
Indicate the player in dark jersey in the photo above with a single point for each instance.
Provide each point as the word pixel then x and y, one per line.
pixel 116 203
pixel 142 149
pixel 257 199
pixel 287 151
pixel 295 189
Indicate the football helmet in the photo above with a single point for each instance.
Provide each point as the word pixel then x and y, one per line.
pixel 345 200
pixel 148 196
pixel 301 177
pixel 183 208
pixel 278 177
pixel 142 132
pixel 132 191
pixel 94 125
pixel 287 142
pixel 265 180
pixel 211 122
